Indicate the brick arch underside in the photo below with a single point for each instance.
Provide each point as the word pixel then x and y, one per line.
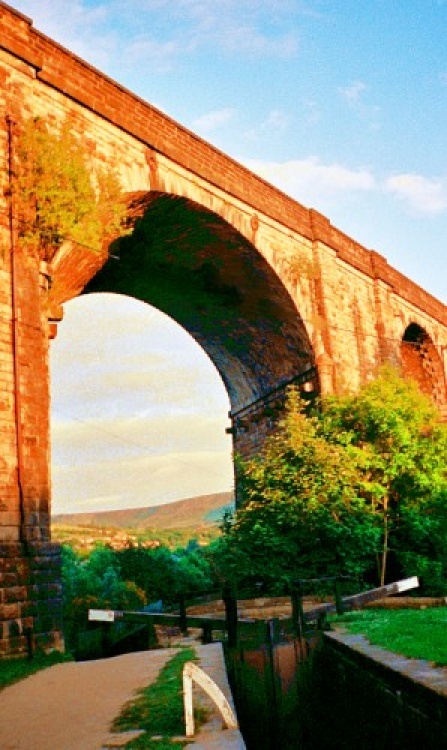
pixel 421 362
pixel 192 265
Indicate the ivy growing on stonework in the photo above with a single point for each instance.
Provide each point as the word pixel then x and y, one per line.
pixel 60 194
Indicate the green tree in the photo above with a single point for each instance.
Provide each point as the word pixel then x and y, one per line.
pixel 193 571
pixel 393 434
pixel 60 195
pixel 95 581
pixel 302 516
pixel 335 490
pixel 152 570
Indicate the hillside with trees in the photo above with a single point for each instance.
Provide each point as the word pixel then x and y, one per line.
pixel 172 524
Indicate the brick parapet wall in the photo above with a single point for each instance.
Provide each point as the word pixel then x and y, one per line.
pixel 63 71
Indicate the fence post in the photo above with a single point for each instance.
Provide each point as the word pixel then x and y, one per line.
pixel 339 606
pixel 230 603
pixel 272 682
pixel 182 614
pixel 296 596
pixel 207 633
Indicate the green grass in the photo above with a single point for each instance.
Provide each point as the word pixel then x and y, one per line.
pixel 158 709
pixel 416 633
pixel 13 670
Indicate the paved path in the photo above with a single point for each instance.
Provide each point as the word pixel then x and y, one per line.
pixel 71 706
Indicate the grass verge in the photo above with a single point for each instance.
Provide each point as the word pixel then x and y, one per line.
pixel 158 709
pixel 13 670
pixel 415 633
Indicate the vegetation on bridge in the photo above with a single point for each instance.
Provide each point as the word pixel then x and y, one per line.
pixel 60 192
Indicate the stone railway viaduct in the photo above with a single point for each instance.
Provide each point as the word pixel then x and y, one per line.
pixel 270 289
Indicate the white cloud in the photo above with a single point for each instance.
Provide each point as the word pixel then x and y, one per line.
pixel 109 463
pixel 214 120
pixel 354 96
pixel 131 360
pixel 158 56
pixel 278 120
pixel 310 181
pixel 140 481
pixel 237 39
pixel 236 26
pixel 275 124
pixel 81 29
pixel 160 32
pixel 138 410
pixel 421 194
pixel 95 440
pixel 354 91
pixel 317 184
pixel 312 111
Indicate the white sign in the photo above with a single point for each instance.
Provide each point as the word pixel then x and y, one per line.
pixel 101 615
pixel 407 583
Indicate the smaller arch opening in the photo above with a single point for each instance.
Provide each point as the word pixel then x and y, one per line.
pixel 421 362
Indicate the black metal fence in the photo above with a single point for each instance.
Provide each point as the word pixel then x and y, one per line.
pixel 269 660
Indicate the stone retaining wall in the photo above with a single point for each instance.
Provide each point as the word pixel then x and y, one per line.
pixel 372 698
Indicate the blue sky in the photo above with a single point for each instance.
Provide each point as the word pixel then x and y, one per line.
pixel 341 103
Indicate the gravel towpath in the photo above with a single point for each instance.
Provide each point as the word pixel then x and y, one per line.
pixel 71 706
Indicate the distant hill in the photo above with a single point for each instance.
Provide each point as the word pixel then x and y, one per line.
pixel 193 512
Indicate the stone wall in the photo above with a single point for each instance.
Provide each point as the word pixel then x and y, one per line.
pixel 30 597
pixel 359 695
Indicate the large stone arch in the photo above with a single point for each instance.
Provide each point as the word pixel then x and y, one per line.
pixel 191 264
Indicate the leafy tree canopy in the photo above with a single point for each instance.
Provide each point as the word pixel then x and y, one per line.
pixel 394 436
pixel 333 492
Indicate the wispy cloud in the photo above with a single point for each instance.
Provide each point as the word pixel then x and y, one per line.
pixel 140 481
pixel 310 181
pixel 83 29
pixel 162 33
pixel 134 361
pixel 256 27
pixel 353 92
pixel 249 40
pixel 275 124
pixel 314 183
pixel 312 111
pixel 354 95
pixel 214 120
pixel 139 413
pixel 421 194
pixel 137 437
